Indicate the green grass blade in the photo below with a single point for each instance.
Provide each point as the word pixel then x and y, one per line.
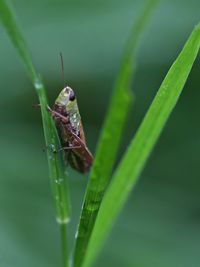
pixel 55 160
pixel 9 22
pixel 113 127
pixel 139 150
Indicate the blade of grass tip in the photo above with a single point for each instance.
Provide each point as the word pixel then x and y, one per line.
pixel 55 160
pixel 110 137
pixel 140 148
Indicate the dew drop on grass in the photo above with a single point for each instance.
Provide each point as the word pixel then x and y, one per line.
pixel 59 181
pixel 76 234
pixel 38 84
pixel 94 204
pixel 92 207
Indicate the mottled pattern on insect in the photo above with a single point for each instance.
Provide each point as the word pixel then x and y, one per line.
pixel 68 122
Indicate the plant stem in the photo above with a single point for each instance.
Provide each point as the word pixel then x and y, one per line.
pixel 134 160
pixel 55 160
pixel 64 244
pixel 111 135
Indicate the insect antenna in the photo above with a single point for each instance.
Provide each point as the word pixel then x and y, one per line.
pixel 62 69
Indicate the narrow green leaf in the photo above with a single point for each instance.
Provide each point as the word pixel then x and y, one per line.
pixel 55 160
pixel 139 150
pixel 110 137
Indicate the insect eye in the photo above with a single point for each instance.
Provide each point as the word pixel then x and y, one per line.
pixel 72 96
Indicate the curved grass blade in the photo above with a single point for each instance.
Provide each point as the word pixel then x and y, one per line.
pixel 139 150
pixel 110 137
pixel 55 160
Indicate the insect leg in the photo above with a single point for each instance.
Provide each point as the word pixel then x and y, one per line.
pixel 68 148
pixel 58 115
pixel 36 105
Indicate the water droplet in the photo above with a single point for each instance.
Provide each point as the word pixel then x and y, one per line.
pixel 94 204
pixel 62 220
pixel 93 207
pixel 52 148
pixel 38 84
pixel 76 234
pixel 59 181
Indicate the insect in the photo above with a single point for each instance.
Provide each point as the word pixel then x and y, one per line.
pixel 66 114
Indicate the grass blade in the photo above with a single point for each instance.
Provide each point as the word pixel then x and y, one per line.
pixel 55 160
pixel 114 124
pixel 135 158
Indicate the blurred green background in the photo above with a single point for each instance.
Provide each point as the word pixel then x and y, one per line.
pixel 160 225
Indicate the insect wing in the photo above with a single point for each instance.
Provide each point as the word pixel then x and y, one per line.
pixel 78 146
pixel 77 163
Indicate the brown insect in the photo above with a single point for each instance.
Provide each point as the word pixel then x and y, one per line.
pixel 68 122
